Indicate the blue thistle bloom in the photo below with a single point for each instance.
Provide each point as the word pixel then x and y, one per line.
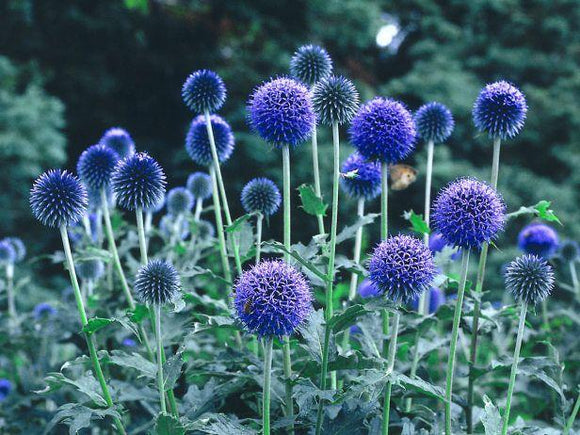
pixel 402 268
pixel 205 230
pixel 119 140
pixel 157 283
pixel 157 207
pixel 366 183
pixel 44 310
pixel 5 389
pixel 197 141
pixel 179 201
pixel 468 213
pixel 167 227
pixel 204 90
pixel 138 182
pixel 367 289
pixel 437 243
pixel 434 122
pixel 500 110
pixel 436 299
pixel 310 64
pixel 261 195
pixel 95 166
pixel 538 239
pixel 90 270
pixel 529 278
pixel 199 184
pixel 7 253
pixel 335 99
pixel 383 129
pixel 19 248
pixel 272 299
pixel 281 112
pixel 58 198
pixel 569 251
pixel 129 342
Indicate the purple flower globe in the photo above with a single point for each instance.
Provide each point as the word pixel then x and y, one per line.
pixel 569 251
pixel 281 112
pixel 204 90
pixel 199 184
pixel 5 389
pixel 19 248
pixel 310 64
pixel 434 122
pixel 261 195
pixel 167 227
pixel 436 299
pixel 119 140
pixel 367 289
pixel 43 311
pixel 469 213
pixel 366 182
pixel 384 130
pixel 90 270
pixel 402 267
pixel 538 239
pixel 204 230
pixel 7 253
pixel 197 141
pixel 157 207
pixel 437 243
pixel 272 299
pixel 529 278
pixel 95 166
pixel 179 201
pixel 335 99
pixel 157 283
pixel 500 110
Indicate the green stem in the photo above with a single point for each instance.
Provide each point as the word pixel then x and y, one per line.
pixel 574 277
pixel 198 209
pixel 384 200
pixel 266 392
pixel 572 418
pixel 286 199
pixel 323 381
pixel 158 339
pixel 10 290
pixel 220 226
pixel 545 319
pixel 316 170
pixel 259 221
pixel 390 366
pixel 288 384
pixel 357 249
pixel 423 299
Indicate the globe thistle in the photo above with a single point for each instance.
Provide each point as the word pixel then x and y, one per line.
pixel 569 251
pixel 538 239
pixel 119 140
pixel 167 227
pixel 43 311
pixel 90 270
pixel 500 110
pixel 434 122
pixel 205 230
pixel 7 253
pixel 366 182
pixel 5 389
pixel 157 283
pixel 19 248
pixel 281 112
pixel 179 201
pixel 402 268
pixel 437 243
pixel 310 64
pixel 197 141
pixel 204 90
pixel 58 198
pixel 138 182
pixel 157 207
pixel 529 278
pixel 383 129
pixel 367 289
pixel 95 166
pixel 261 195
pixel 468 213
pixel 272 299
pixel 436 299
pixel 335 99
pixel 199 184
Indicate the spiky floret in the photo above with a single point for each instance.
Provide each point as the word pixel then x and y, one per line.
pixel 261 195
pixel 529 278
pixel 335 99
pixel 500 110
pixel 138 182
pixel 367 289
pixel 204 90
pixel 538 239
pixel 383 129
pixel 7 253
pixel 58 198
pixel 119 140
pixel 204 229
pixel 402 268
pixel 569 251
pixel 90 270
pixel 434 122
pixel 366 182
pixel 436 299
pixel 310 64
pixel 272 299
pixel 197 140
pixel 157 207
pixel 167 227
pixel 281 112
pixel 179 201
pixel 468 213
pixel 437 243
pixel 199 184
pixel 44 310
pixel 95 166
pixel 19 248
pixel 157 283
pixel 5 389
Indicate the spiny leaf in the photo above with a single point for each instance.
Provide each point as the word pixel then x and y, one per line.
pixel 139 313
pixel 168 425
pixel 95 324
pixel 311 203
pixel 418 224
pixel 545 212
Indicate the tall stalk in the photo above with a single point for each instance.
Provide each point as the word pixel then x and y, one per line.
pixel 357 248
pixel 266 391
pixel 574 276
pixel 198 209
pixel 259 222
pixel 220 226
pixel 158 340
pixel 10 290
pixel 316 170
pixel 572 417
pixel 390 366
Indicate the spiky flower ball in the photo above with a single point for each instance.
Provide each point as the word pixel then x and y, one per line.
pixel 272 299
pixel 157 283
pixel 5 389
pixel 197 140
pixel 468 213
pixel 538 239
pixel 569 251
pixel 402 268
pixel 179 201
pixel 205 230
pixel 310 64
pixel 367 289
pixel 95 166
pixel 383 129
pixel 281 112
pixel 361 177
pixel 500 110
pixel 335 99
pixel 529 278
pixel 119 140
pixel 90 270
pixel 58 198
pixel 437 243
pixel 204 90
pixel 167 227
pixel 434 122
pixel 436 299
pixel 43 311
pixel 157 207
pixel 19 248
pixel 199 184
pixel 7 253
pixel 138 182
pixel 261 195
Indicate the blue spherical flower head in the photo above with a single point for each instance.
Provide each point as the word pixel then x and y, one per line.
pixel 367 289
pixel 90 270
pixel 272 299
pixel 138 182
pixel 437 243
pixel 119 140
pixel 335 99
pixel 204 90
pixel 157 207
pixel 179 201
pixel 7 253
pixel 261 195
pixel 529 278
pixel 569 251
pixel 199 184
pixel 383 129
pixel 197 140
pixel 205 230
pixel 157 283
pixel 167 227
pixel 95 166
pixel 468 213
pixel 500 110
pixel 366 182
pixel 19 248
pixel 402 268
pixel 58 198
pixel 44 311
pixel 538 239
pixel 434 122
pixel 281 112
pixel 436 299
pixel 310 64
pixel 5 389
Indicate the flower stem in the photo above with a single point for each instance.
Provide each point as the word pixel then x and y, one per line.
pixel 288 378
pixel 390 366
pixel 572 417
pixel 357 248
pixel 158 339
pixel 266 392
pixel 316 170
pixel 259 221
pixel 10 290
pixel 574 276
pixel 198 209
pixel 220 226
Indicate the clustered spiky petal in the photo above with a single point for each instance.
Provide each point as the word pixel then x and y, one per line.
pixel 383 129
pixel 197 140
pixel 179 201
pixel 44 310
pixel 261 195
pixel 7 253
pixel 569 251
pixel 468 213
pixel 538 239
pixel 157 283
pixel 272 299
pixel 500 110
pixel 204 90
pixel 119 140
pixel 19 248
pixel 402 268
pixel 58 198
pixel 436 299
pixel 95 166
pixel 138 182
pixel 310 64
pixel 90 270
pixel 157 207
pixel 367 289
pixel 529 278
pixel 335 99
pixel 366 182
pixel 199 184
pixel 437 243
pixel 281 112
pixel 434 122
pixel 167 227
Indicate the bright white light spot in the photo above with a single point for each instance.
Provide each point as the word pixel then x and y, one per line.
pixel 386 34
